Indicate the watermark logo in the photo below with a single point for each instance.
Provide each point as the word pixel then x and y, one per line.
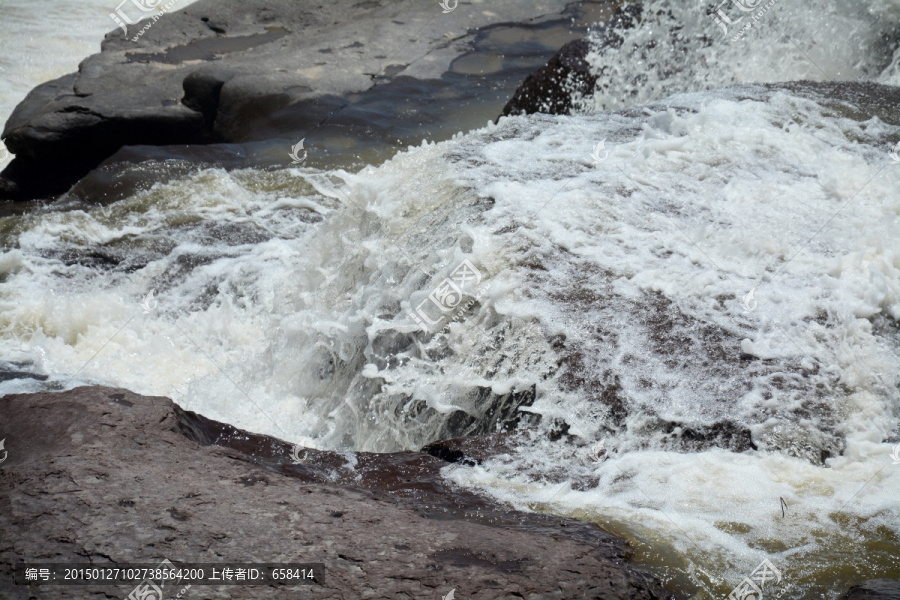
pixel 150 303
pixel 182 592
pixel 895 153
pixel 598 452
pixel 749 302
pixel 4 153
pixel 121 19
pixel 445 4
pixel 596 154
pixel 295 454
pixel 295 153
pixel 449 596
pixel 719 16
pixel 751 588
pixel 148 589
pixel 895 455
pixel 5 453
pixel 448 296
pixel 746 5
pixel 723 20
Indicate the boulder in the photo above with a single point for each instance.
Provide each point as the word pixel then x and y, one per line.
pixel 105 476
pixel 875 589
pixel 553 88
pixel 237 71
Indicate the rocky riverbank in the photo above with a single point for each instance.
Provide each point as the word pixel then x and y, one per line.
pixel 350 78
pixel 102 476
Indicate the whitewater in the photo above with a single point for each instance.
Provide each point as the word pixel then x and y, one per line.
pixel 687 294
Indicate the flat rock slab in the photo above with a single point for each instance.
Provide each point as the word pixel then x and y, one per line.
pixel 98 475
pixel 248 70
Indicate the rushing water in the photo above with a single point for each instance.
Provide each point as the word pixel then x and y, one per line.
pixel 610 303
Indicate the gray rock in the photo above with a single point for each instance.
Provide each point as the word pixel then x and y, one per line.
pixel 229 70
pixel 107 476
pixel 875 589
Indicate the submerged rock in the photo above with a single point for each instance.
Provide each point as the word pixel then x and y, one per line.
pixel 472 450
pixel 107 476
pixel 875 589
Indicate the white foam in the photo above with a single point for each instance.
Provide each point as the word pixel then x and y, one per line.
pixel 678 47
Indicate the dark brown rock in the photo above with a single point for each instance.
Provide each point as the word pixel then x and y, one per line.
pixel 106 476
pixel 473 450
pixel 553 88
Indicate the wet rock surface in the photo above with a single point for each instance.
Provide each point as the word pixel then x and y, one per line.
pixel 875 589
pixel 555 87
pixel 473 450
pixel 99 475
pixel 551 89
pixel 136 168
